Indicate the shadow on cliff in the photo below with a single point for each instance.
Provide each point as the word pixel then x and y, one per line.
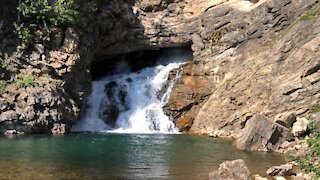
pixel 8 14
pixel 120 31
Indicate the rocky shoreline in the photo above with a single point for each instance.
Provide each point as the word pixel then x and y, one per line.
pixel 237 169
pixel 262 134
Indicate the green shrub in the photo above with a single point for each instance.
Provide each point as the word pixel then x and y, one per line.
pixel 25 81
pixel 4 64
pixel 312 161
pixel 39 16
pixel 312 14
pixel 2 86
pixel 228 81
pixel 23 32
pixel 308 17
pixel 316 108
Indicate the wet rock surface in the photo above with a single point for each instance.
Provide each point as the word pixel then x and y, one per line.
pixel 112 104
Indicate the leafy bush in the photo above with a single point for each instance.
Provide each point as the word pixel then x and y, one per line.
pixel 23 32
pixel 39 16
pixel 2 86
pixel 312 14
pixel 4 64
pixel 316 108
pixel 308 17
pixel 25 81
pixel 312 161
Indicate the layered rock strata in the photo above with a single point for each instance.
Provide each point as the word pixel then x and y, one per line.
pixel 248 59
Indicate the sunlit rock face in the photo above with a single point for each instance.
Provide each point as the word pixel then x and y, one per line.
pixel 254 58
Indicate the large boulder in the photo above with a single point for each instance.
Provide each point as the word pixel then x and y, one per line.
pixel 229 170
pixel 261 134
pixel 300 127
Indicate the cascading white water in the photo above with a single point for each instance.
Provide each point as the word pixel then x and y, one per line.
pixel 132 102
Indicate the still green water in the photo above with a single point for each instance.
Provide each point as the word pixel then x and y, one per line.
pixel 121 156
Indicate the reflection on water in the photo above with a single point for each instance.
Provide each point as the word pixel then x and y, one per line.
pixel 113 156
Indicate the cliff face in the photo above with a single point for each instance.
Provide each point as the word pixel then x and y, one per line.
pixel 248 58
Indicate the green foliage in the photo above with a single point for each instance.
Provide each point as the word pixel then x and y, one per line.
pixel 4 64
pixel 39 16
pixel 2 86
pixel 25 81
pixel 308 17
pixel 312 14
pixel 23 32
pixel 316 108
pixel 56 82
pixel 64 12
pixel 312 161
pixel 227 82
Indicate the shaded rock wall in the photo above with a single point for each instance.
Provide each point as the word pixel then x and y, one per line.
pixel 124 26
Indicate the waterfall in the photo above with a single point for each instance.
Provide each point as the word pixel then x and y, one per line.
pixel 132 102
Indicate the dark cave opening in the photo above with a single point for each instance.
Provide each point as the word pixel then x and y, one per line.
pixel 136 60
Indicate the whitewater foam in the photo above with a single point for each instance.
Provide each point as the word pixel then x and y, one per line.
pixel 133 102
